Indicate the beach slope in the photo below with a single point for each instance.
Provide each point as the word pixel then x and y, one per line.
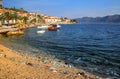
pixel 17 66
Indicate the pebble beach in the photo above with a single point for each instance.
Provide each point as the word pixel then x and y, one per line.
pixel 17 66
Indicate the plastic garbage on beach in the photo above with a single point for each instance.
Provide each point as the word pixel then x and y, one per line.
pixel 56 63
pixel 53 69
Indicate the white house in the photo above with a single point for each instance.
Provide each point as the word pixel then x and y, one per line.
pixel 52 19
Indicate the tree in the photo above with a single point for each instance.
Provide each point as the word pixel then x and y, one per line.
pixel 22 21
pixel 14 16
pixel 10 16
pixel 73 21
pixel 40 19
pixel 25 19
pixel 1 17
pixel 7 16
pixel 33 20
pixel 1 7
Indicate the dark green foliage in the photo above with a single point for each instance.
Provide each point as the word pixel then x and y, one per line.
pixel 17 10
pixel 74 21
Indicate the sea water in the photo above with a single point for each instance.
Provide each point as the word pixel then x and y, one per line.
pixel 92 47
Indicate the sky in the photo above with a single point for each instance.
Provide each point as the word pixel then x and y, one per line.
pixel 68 8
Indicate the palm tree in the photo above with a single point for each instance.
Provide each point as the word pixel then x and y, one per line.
pixel 1 17
pixel 25 19
pixel 7 16
pixel 22 21
pixel 33 20
pixel 40 19
pixel 15 16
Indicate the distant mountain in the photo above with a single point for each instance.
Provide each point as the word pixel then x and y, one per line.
pixel 106 19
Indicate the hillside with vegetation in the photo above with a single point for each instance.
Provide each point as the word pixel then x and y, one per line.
pixel 22 17
pixel 105 19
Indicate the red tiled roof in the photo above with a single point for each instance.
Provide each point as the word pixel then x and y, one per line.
pixel 3 10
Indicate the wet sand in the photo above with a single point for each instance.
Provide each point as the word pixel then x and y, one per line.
pixel 17 66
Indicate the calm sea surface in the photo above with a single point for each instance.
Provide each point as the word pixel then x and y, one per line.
pixel 93 47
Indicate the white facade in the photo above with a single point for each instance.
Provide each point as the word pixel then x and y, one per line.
pixel 51 19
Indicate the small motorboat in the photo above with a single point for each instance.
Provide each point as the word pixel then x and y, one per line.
pixel 58 26
pixel 54 27
pixel 43 27
pixel 41 31
pixel 15 33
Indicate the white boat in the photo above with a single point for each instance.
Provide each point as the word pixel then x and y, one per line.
pixel 43 26
pixel 58 26
pixel 41 31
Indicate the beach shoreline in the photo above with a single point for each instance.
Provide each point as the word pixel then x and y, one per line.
pixel 14 65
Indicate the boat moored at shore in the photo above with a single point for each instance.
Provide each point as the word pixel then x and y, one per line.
pixel 54 27
pixel 43 26
pixel 40 31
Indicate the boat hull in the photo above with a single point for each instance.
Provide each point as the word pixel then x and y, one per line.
pixel 43 27
pixel 41 31
pixel 54 28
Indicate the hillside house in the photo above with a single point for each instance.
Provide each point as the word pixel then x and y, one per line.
pixel 52 19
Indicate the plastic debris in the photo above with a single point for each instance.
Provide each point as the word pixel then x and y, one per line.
pixel 56 64
pixel 53 69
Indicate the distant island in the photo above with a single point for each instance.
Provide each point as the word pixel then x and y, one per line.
pixel 105 19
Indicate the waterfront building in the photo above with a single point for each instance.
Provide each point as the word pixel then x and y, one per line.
pixel 52 19
pixel 23 14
